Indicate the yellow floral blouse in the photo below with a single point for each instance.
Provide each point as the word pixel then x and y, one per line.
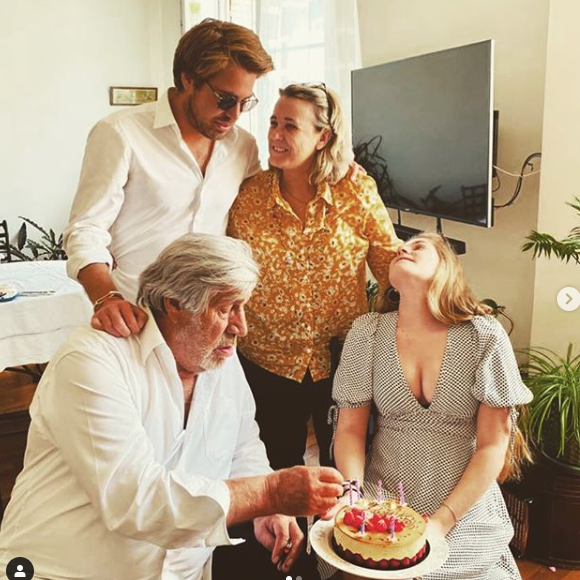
pixel 312 276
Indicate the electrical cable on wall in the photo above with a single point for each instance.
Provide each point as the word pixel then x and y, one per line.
pixel 527 163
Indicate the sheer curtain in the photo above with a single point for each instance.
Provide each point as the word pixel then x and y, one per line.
pixel 309 40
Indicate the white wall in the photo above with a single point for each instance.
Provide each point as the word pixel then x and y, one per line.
pixel 393 29
pixel 553 327
pixel 57 61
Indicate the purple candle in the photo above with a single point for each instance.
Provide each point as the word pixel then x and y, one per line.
pixel 350 501
pixel 380 491
pixel 401 494
pixel 362 524
pixel 392 528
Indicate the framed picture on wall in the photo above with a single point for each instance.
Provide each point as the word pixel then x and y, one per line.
pixel 132 95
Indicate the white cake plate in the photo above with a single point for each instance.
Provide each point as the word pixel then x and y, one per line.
pixel 321 540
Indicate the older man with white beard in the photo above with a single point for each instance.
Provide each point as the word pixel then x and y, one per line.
pixel 143 450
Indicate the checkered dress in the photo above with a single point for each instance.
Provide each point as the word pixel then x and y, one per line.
pixel 428 448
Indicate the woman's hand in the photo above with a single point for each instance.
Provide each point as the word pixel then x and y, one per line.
pixel 441 522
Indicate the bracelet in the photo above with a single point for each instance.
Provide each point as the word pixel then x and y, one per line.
pixel 111 294
pixel 455 520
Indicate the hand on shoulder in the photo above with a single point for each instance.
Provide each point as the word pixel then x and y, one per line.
pixel 119 317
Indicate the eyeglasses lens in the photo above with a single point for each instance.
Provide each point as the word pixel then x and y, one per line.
pixel 226 102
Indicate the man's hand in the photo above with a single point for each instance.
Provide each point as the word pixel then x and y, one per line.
pixel 119 318
pixel 342 502
pixel 304 491
pixel 282 536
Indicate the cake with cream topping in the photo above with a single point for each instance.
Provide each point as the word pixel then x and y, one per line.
pixel 380 535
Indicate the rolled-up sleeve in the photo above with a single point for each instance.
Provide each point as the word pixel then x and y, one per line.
pixel 97 427
pixel 98 200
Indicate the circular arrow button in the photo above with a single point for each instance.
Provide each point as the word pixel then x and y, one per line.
pixel 568 298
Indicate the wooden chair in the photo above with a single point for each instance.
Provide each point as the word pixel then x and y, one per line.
pixel 4 243
pixel 16 392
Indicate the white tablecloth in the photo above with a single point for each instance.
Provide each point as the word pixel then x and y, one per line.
pixel 33 327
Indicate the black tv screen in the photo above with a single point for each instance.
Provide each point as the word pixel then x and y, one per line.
pixel 422 127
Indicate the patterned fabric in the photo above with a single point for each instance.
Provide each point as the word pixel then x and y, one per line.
pixel 313 278
pixel 429 448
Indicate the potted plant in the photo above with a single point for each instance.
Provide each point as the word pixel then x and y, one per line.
pixel 550 490
pixel 47 247
pixel 552 419
pixel 553 423
pixel 566 249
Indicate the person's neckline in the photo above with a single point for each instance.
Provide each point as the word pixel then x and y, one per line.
pixel 428 404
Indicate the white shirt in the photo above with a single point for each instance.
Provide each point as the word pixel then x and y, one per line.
pixel 113 486
pixel 141 188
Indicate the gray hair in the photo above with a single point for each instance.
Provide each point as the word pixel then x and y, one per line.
pixel 332 161
pixel 194 269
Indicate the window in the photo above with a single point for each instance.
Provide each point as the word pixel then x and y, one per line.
pixel 309 40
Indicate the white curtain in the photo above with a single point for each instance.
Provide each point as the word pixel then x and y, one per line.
pixel 310 41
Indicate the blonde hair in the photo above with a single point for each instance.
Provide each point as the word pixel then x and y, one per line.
pixel 332 161
pixel 210 46
pixel 449 298
pixel 518 453
pixel 451 301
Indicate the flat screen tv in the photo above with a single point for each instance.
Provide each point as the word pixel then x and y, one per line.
pixel 423 128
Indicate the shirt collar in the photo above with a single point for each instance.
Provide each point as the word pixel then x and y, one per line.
pixel 163 113
pixel 323 191
pixel 150 337
pixel 164 118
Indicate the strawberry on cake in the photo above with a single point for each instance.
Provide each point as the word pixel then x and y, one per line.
pixel 380 535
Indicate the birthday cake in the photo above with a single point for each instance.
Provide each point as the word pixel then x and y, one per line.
pixel 380 535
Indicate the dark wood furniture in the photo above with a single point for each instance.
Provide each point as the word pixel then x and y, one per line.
pixel 547 519
pixel 5 255
pixel 16 392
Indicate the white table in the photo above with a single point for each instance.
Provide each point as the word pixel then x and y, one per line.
pixel 32 328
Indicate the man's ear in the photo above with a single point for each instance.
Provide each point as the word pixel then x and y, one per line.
pixel 172 308
pixel 187 81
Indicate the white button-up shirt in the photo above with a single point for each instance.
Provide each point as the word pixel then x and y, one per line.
pixel 141 188
pixel 113 486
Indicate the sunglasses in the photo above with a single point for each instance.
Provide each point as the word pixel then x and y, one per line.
pixel 225 101
pixel 322 87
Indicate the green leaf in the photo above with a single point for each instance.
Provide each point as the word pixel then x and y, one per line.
pixel 21 236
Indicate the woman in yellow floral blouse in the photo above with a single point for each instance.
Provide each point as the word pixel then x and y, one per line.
pixel 312 229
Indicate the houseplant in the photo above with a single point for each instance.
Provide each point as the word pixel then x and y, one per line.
pixel 545 244
pixel 554 414
pixel 552 419
pixel 47 247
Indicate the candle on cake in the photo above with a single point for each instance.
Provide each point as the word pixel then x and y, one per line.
pixel 401 494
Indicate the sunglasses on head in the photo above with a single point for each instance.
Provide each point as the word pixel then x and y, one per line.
pixel 322 87
pixel 226 101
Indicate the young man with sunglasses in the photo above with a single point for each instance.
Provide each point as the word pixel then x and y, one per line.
pixel 154 172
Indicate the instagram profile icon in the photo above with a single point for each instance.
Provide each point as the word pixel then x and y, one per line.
pixel 19 569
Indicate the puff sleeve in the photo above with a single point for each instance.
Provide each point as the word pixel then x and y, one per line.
pixel 498 382
pixel 353 382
